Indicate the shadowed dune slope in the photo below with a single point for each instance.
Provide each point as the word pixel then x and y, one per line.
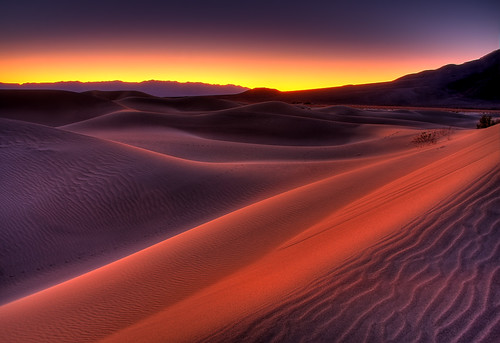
pixel 411 118
pixel 250 261
pixel 51 107
pixel 193 147
pixel 271 131
pixel 57 108
pixel 179 104
pixel 118 95
pixel 71 202
pixel 270 124
pixel 266 131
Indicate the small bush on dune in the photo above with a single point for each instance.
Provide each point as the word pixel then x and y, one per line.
pixel 431 137
pixel 426 137
pixel 486 121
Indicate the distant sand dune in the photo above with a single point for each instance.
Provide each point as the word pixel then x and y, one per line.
pixel 52 108
pixel 270 124
pixel 181 104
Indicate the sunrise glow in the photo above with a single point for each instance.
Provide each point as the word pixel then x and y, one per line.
pixel 278 71
pixel 289 47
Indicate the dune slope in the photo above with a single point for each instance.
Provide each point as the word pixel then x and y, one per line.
pixel 434 280
pixel 271 237
pixel 258 293
pixel 52 107
pixel 71 202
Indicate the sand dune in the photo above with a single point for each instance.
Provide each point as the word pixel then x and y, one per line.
pixel 435 279
pixel 91 200
pixel 199 220
pixel 321 248
pixel 51 107
pixel 411 118
pixel 182 104
pixel 237 134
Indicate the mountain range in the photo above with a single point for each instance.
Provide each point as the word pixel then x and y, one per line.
pixel 474 84
pixel 152 87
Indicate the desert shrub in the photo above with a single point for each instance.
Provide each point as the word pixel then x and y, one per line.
pixel 426 137
pixel 431 136
pixel 486 121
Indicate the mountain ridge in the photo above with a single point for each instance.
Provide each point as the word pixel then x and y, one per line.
pixel 473 84
pixel 152 87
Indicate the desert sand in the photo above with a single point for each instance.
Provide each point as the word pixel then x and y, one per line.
pixel 131 218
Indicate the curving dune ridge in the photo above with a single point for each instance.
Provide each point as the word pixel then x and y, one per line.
pixel 198 220
pixel 435 280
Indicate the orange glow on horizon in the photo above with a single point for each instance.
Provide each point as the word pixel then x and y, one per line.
pixel 283 72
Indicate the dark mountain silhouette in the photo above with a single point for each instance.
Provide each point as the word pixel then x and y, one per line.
pixel 156 88
pixel 474 84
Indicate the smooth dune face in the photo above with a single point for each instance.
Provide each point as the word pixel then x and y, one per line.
pixel 203 220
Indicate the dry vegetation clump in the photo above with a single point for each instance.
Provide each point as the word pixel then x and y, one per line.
pixel 431 136
pixel 486 121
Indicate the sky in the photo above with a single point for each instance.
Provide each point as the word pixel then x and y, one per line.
pixel 287 45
